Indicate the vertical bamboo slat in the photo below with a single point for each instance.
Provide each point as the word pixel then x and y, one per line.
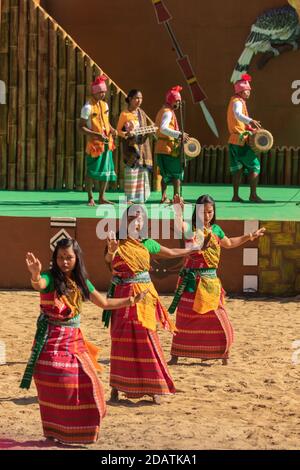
pixel 80 100
pixel 70 116
pixel 199 170
pixel 280 166
pixel 207 165
pixel 61 106
pixel 288 167
pixel 22 85
pixel 4 76
pixel 295 166
pixel 52 99
pixel 264 168
pixel 114 117
pixel 272 168
pixel 89 76
pixel 213 165
pixel 13 94
pixel 220 164
pixel 32 96
pixel 121 162
pixel 42 100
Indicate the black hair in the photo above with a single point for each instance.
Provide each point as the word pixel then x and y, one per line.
pixel 204 199
pixel 79 272
pixel 131 94
pixel 123 228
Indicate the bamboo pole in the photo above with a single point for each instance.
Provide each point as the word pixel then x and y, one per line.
pixel 52 96
pixel 294 166
pixel 61 107
pixel 89 77
pixel 263 177
pixel 13 94
pixel 207 165
pixel 121 160
pixel 288 167
pixel 280 166
pixel 43 69
pixel 70 115
pixel 199 170
pixel 114 117
pixel 272 168
pixel 4 76
pixel 22 99
pixel 213 165
pixel 31 150
pixel 228 177
pixel 220 165
pixel 79 139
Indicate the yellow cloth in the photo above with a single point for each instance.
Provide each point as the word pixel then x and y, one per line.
pixel 93 352
pixel 165 144
pixel 209 290
pixel 125 117
pixel 135 255
pixel 207 295
pixel 99 123
pixel 236 127
pixel 137 258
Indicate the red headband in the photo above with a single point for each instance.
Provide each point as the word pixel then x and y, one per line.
pixel 99 84
pixel 173 95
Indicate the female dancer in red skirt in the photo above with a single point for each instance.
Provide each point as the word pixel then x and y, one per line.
pixel 204 329
pixel 62 363
pixel 137 365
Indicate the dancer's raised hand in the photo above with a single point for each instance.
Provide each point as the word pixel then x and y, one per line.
pixel 112 243
pixel 34 265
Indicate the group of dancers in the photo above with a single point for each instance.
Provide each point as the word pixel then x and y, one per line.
pixel 64 365
pixel 136 148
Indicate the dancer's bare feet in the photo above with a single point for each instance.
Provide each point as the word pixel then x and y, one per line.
pixel 224 362
pixel 173 361
pixel 104 201
pixel 114 395
pixel 157 399
pixel 91 202
pixel 165 200
pixel 256 199
pixel 237 199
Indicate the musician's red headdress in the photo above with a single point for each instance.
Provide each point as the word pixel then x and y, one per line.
pixel 243 83
pixel 173 95
pixel 99 84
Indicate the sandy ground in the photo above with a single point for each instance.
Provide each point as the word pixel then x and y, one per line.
pixel 253 403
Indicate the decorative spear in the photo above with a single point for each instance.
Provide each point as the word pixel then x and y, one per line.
pixel 163 17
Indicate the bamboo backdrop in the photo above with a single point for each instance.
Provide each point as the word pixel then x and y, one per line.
pixel 48 78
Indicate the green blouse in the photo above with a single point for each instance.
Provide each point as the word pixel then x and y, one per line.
pixel 151 245
pixel 47 275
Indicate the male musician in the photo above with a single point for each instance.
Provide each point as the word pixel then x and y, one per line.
pixel 94 122
pixel 168 145
pixel 242 157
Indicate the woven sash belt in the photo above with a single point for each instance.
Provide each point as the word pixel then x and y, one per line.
pixel 188 283
pixel 140 278
pixel 39 342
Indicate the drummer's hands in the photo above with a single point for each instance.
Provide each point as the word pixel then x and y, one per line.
pixel 255 124
pixel 114 132
pixel 112 243
pixel 185 137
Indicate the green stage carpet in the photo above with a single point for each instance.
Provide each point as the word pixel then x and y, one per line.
pixel 280 203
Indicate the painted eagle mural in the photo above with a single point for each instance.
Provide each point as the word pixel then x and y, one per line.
pixel 272 28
